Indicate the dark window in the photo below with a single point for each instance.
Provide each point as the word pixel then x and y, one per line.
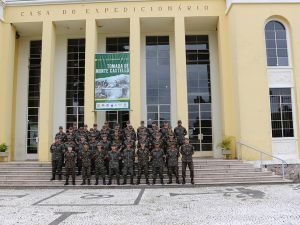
pixel 158 80
pixel 276 43
pixel 117 44
pixel 199 92
pixel 281 112
pixel 33 95
pixel 75 82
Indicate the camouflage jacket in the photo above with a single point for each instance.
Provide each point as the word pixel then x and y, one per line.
pixel 106 145
pixel 70 159
pixel 128 157
pixel 143 156
pixel 62 136
pixel 180 132
pixel 99 157
pixel 93 146
pixel 86 158
pixel 69 144
pixel 172 156
pixel 157 157
pixel 56 151
pixel 187 152
pixel 114 158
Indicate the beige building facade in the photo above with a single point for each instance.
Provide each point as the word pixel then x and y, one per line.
pixel 225 68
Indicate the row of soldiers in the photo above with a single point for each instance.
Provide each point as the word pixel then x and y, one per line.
pixel 114 150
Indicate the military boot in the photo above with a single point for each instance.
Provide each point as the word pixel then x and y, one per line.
pixel 147 181
pixel 125 181
pixel 83 182
pixel 73 182
pixel 89 182
pixel 53 177
pixel 161 181
pixel 177 180
pixel 96 183
pixel 67 182
pixel 138 181
pixel 183 180
pixel 131 181
pixel 192 181
pixel 59 177
pixel 103 180
pixel 109 181
pixel 118 181
pixel 154 181
pixel 170 180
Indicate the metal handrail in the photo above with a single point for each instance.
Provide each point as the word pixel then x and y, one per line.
pixel 240 143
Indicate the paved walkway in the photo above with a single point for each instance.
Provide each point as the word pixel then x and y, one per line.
pixel 223 205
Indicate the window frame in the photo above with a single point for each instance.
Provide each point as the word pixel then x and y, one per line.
pixel 288 40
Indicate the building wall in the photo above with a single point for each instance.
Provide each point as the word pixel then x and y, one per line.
pixel 241 97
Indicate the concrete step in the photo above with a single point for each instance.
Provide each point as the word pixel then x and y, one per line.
pixel 197 175
pixel 230 180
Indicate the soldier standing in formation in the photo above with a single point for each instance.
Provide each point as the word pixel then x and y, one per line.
pixel 114 156
pixel 187 151
pixel 70 162
pixel 56 150
pixel 99 158
pixel 172 156
pixel 111 151
pixel 86 164
pixel 158 162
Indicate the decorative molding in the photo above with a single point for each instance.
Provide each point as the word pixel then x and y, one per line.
pixel 280 77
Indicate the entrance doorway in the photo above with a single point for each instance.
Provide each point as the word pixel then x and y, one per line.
pixel 117 117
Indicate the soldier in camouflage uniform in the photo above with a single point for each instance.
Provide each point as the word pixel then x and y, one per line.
pixel 114 156
pixel 69 143
pixel 105 132
pixel 142 129
pixel 93 148
pixel 96 131
pixel 70 162
pixel 107 147
pixel 157 158
pixel 79 155
pixel 171 140
pixel 172 156
pixel 86 164
pixel 99 158
pixel 128 161
pixel 144 139
pixel 153 131
pixel 143 154
pixel 57 152
pixel 86 132
pixel 180 132
pixel 61 134
pixel 187 151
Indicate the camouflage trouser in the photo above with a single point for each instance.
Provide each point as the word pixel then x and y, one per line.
pixel 143 169
pixel 173 170
pixel 86 172
pixel 57 166
pixel 127 169
pixel 79 165
pixel 191 168
pixel 158 170
pixel 70 171
pixel 114 170
pixel 100 170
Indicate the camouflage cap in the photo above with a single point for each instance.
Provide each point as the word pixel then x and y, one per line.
pixel 85 143
pixel 179 121
pixel 60 127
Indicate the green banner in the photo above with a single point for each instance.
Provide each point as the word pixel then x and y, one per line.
pixel 112 81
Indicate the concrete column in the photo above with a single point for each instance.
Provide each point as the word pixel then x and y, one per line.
pixel 46 91
pixel 180 70
pixel 135 71
pixel 7 56
pixel 89 83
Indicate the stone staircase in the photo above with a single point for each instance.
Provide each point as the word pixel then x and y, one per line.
pixel 207 172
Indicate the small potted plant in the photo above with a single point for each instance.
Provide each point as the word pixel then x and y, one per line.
pixel 225 145
pixel 3 150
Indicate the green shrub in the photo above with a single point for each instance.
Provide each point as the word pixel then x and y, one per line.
pixel 3 147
